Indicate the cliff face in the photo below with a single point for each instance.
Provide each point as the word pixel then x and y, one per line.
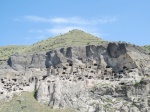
pixel 111 77
pixel 114 55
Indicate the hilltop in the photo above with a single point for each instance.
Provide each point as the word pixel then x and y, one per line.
pixel 72 38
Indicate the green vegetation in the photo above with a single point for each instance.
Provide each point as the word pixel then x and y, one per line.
pixel 6 51
pixel 101 85
pixel 26 103
pixel 72 38
pixel 147 48
pixel 108 100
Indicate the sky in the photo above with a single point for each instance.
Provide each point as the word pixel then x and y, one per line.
pixel 24 22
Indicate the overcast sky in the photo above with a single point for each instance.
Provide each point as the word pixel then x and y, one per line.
pixel 28 21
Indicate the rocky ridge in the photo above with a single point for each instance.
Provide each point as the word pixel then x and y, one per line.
pixel 114 77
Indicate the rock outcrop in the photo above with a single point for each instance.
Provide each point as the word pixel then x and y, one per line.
pixel 105 78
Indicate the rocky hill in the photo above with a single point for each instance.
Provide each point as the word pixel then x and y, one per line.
pixel 72 38
pixel 93 76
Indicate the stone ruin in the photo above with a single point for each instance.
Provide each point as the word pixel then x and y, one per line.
pixel 82 77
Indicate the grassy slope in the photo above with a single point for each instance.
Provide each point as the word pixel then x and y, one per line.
pixel 28 104
pixel 6 51
pixel 147 48
pixel 72 38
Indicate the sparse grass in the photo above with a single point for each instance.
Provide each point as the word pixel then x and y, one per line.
pixel 7 51
pixel 108 100
pixel 26 103
pixel 72 38
pixel 1 62
pixel 147 48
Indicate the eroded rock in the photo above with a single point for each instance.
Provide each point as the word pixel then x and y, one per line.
pixel 90 78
